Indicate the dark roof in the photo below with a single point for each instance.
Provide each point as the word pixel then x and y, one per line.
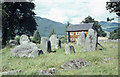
pixel 78 27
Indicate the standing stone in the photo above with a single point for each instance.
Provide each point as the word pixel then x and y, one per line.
pixel 81 39
pixel 45 45
pixel 52 39
pixel 13 43
pixel 24 38
pixel 55 42
pixel 69 49
pixel 91 41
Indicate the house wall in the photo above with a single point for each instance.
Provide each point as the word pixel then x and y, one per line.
pixel 73 35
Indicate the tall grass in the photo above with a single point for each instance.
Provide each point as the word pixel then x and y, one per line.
pixel 29 66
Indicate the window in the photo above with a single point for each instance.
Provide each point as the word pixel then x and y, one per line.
pixel 77 33
pixel 71 39
pixel 71 33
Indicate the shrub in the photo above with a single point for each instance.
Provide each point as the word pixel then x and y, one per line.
pixel 115 34
pixel 31 38
pixel 64 39
pixel 17 38
pixel 36 37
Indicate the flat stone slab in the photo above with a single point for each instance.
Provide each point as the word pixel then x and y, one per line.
pixel 75 64
pixel 10 72
pixel 112 46
pixel 50 71
pixel 106 60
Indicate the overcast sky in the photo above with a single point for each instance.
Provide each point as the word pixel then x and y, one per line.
pixel 73 11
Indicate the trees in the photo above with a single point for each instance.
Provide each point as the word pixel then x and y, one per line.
pixel 108 19
pixel 89 19
pixel 115 34
pixel 0 16
pixel 17 18
pixel 114 6
pixel 65 37
pixel 36 37
pixel 7 23
pixel 52 32
pixel 68 23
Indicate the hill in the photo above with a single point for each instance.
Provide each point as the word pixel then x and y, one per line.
pixel 46 25
pixel 109 26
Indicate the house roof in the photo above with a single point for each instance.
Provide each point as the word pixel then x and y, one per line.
pixel 79 27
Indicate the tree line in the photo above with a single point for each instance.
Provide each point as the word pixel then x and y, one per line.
pixel 114 7
pixel 17 19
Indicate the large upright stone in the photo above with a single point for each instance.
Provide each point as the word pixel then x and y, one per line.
pixel 24 38
pixel 45 45
pixel 91 41
pixel 26 49
pixel 69 49
pixel 81 39
pixel 55 42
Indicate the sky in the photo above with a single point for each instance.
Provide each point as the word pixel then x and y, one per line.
pixel 73 11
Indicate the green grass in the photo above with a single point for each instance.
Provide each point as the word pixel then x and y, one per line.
pixel 29 66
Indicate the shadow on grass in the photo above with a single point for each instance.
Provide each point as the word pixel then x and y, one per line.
pixel 41 52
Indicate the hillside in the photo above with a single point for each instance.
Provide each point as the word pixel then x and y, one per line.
pixel 109 26
pixel 45 26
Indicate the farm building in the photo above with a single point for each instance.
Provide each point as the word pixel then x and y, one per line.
pixel 74 30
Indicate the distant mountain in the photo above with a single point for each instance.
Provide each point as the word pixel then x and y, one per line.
pixel 46 25
pixel 109 26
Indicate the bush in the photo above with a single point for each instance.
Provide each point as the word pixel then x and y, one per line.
pixel 17 38
pixel 115 34
pixel 64 39
pixel 36 37
pixel 31 38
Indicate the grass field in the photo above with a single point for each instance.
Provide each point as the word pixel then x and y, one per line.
pixel 29 66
